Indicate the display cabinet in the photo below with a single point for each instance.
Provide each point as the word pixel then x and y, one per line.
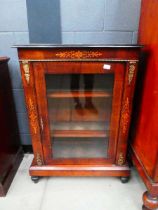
pixel 79 101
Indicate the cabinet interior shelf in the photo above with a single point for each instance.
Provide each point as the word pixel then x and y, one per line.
pixel 78 133
pixel 73 94
pixel 80 129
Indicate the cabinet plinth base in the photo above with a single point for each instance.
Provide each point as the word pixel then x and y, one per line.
pixel 79 170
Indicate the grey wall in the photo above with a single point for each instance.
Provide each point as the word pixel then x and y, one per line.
pixel 99 22
pixel 80 21
pixel 14 30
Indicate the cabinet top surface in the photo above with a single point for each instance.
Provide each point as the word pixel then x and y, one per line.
pixel 75 46
pixel 4 59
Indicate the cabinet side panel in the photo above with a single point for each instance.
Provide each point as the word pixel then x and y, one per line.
pixel 145 132
pixel 31 103
pixel 10 149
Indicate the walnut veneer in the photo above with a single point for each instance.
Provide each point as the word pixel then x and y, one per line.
pixel 41 63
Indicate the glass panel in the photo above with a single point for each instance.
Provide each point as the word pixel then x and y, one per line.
pixel 79 147
pixel 79 107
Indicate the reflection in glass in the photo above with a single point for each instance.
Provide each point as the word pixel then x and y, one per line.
pixel 88 81
pixel 79 107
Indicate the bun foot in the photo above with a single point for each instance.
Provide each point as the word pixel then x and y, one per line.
pixel 124 179
pixel 150 202
pixel 35 179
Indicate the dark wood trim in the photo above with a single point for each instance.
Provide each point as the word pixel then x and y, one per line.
pixel 4 59
pixel 27 149
pixel 75 46
pixel 7 180
pixel 10 149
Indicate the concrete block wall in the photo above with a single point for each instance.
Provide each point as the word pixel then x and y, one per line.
pixel 14 30
pixel 81 22
pixel 99 22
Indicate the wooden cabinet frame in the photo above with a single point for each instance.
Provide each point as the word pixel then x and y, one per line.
pixel 144 129
pixel 36 61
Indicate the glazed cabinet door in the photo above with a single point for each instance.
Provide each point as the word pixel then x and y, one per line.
pixel 79 105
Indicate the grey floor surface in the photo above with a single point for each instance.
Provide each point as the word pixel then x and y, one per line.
pixel 57 193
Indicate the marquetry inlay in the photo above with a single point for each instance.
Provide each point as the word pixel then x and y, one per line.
pixel 78 54
pixel 32 116
pixel 125 116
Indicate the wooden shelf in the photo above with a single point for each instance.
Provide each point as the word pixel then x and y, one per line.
pixel 73 94
pixel 80 148
pixel 78 133
pixel 80 126
pixel 80 129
